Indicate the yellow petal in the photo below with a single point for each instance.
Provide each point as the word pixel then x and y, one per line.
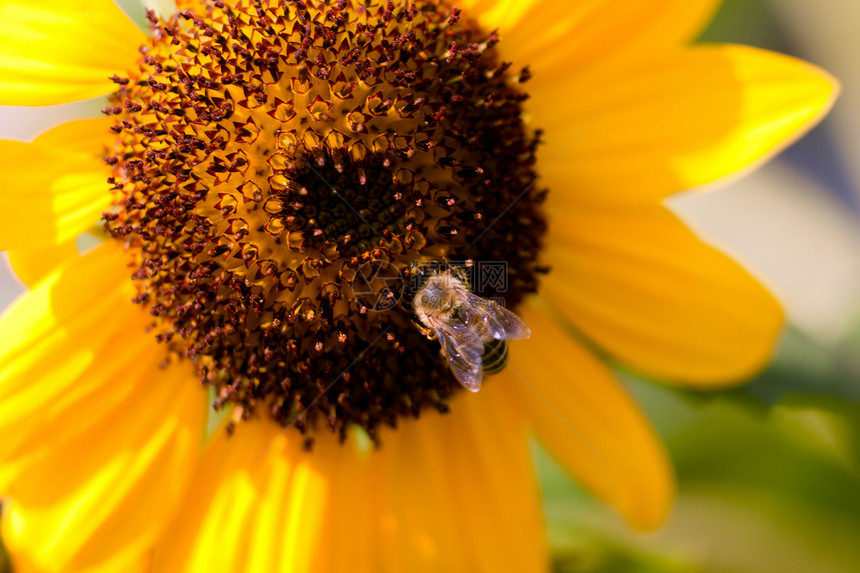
pixel 460 492
pixel 88 137
pixel 588 422
pixel 259 499
pixel 57 51
pixel 31 265
pixel 443 493
pixel 83 396
pixel 646 289
pixel 55 187
pixel 557 37
pixel 22 565
pixel 674 122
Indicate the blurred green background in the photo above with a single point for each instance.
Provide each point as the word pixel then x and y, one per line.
pixel 768 474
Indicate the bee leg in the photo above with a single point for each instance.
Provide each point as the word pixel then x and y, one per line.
pixel 424 330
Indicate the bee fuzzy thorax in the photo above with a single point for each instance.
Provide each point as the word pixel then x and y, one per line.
pixel 437 293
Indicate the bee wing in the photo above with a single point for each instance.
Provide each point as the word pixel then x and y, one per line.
pixel 463 350
pixel 501 323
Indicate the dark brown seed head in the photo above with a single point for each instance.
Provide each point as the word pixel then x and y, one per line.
pixel 271 157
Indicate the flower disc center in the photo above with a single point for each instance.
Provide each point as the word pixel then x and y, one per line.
pixel 269 153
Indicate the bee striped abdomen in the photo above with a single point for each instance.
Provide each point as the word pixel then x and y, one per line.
pixel 495 356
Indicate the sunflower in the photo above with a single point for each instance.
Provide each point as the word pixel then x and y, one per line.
pixel 256 160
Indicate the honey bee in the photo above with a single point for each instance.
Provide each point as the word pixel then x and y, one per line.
pixel 472 331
